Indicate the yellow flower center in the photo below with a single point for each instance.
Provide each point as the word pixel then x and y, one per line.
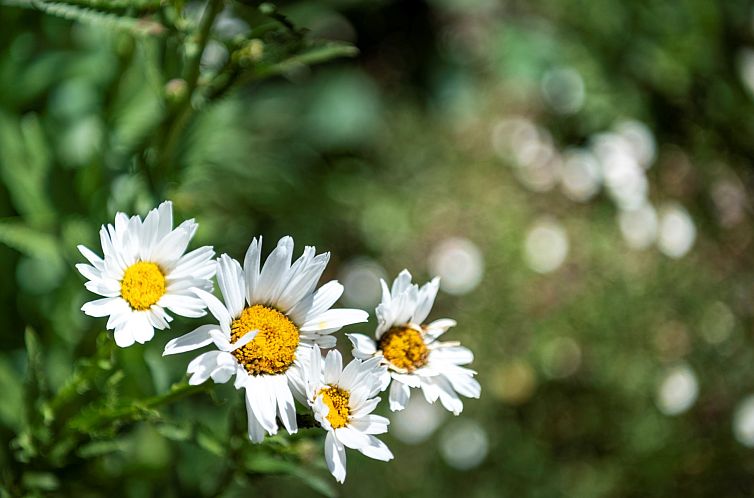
pixel 143 285
pixel 404 347
pixel 273 349
pixel 336 400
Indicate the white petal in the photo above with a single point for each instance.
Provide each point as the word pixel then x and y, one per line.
pixel 165 212
pixel 223 373
pixel 333 366
pixel 401 283
pixel 335 455
pixel 370 424
pixel 216 308
pixel 335 319
pixel 286 406
pixel 142 330
pixel 105 306
pixel 303 281
pixel 273 273
pixel 197 338
pixel 409 379
pixel 88 271
pixel 107 287
pixel 376 449
pixel 438 327
pixel 197 264
pixel 256 431
pixel 448 396
pixel 426 299
pixel 351 437
pixel 123 337
pixel 95 260
pixel 399 395
pixel 363 346
pixel 365 408
pixel 170 248
pixel 317 303
pixel 231 282
pixel 259 391
pixel 458 355
pixel 464 383
pixel 251 267
pixel 183 305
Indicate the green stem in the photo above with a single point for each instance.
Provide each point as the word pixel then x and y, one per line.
pixel 134 409
pixel 180 114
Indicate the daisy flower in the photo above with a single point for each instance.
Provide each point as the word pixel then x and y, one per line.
pixel 144 271
pixel 342 400
pixel 410 349
pixel 269 318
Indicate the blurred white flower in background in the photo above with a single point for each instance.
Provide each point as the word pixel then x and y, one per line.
pixel 563 89
pixel 417 422
pixel 361 279
pixel 464 444
pixel 580 177
pixel 746 68
pixel 459 264
pixel 546 245
pixel 640 140
pixel 624 177
pixel 617 159
pixel 531 151
pixel 743 422
pixel 639 226
pixel 677 231
pixel 677 391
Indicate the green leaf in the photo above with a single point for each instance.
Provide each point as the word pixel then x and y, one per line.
pixel 36 382
pixel 43 481
pixel 316 54
pixel 267 464
pixel 105 20
pixel 24 165
pixel 11 386
pixel 32 242
pixel 99 448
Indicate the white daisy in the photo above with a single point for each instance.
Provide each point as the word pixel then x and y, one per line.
pixel 144 272
pixel 342 400
pixel 270 318
pixel 411 351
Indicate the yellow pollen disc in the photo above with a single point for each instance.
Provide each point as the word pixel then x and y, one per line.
pixel 273 349
pixel 143 285
pixel 336 400
pixel 404 347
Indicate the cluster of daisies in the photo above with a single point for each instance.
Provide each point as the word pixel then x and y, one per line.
pixel 273 327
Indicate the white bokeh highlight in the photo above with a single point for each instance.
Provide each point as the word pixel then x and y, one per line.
pixel 459 264
pixel 546 245
pixel 678 390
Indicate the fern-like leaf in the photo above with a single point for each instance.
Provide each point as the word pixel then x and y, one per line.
pixel 106 20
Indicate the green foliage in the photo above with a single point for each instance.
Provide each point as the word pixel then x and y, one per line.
pixel 221 106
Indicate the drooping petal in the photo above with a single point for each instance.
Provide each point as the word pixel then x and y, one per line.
pixel 376 449
pixel 399 395
pixel 363 346
pixel 335 456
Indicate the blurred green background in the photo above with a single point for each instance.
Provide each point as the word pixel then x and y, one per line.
pixel 578 173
